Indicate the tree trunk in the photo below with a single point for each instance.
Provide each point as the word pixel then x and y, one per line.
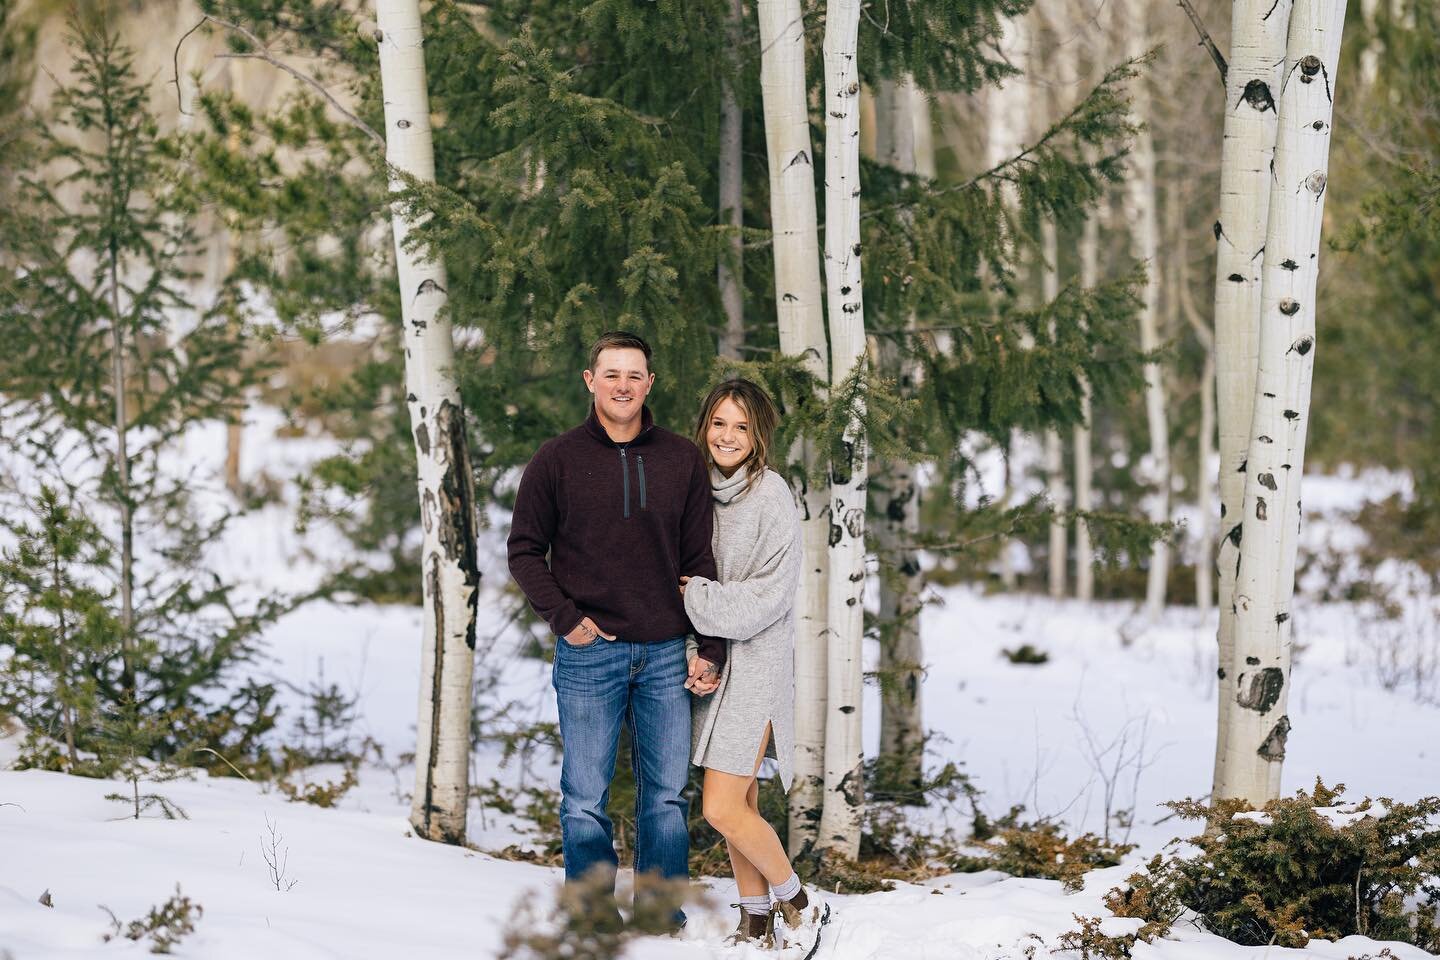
pixel 446 483
pixel 122 480
pixel 1054 453
pixel 1205 442
pixel 796 252
pixel 1141 194
pixel 1007 111
pixel 729 272
pixel 1084 471
pixel 1265 584
pixel 902 730
pixel 844 758
pixel 1257 52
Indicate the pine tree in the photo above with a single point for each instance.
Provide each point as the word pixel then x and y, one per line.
pixel 103 362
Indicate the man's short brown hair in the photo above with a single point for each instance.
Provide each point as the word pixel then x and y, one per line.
pixel 619 340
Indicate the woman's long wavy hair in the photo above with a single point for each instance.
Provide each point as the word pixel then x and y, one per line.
pixel 761 413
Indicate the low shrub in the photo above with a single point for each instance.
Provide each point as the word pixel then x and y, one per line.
pixel 165 925
pixel 1306 867
pixel 1038 849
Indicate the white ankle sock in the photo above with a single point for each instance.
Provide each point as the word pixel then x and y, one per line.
pixel 755 906
pixel 788 889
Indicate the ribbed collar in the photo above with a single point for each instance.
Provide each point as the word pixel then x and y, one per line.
pixel 725 489
pixel 597 430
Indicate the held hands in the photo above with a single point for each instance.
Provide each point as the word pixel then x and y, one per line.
pixel 704 677
pixel 585 633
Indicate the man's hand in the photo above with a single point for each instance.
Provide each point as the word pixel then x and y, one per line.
pixel 704 677
pixel 586 633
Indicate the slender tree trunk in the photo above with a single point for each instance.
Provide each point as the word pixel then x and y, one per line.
pixel 729 271
pixel 800 314
pixel 122 480
pixel 1084 471
pixel 1257 52
pixel 446 484
pixel 1265 584
pixel 1054 453
pixel 1007 112
pixel 844 758
pixel 1205 456
pixel 902 731
pixel 1141 194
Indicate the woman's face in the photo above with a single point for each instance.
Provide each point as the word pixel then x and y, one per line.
pixel 729 436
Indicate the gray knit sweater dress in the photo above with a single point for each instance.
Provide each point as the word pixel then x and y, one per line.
pixel 757 553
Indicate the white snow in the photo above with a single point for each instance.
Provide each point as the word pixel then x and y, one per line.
pixel 1120 716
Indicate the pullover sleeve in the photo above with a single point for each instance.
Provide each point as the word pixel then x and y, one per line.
pixel 697 526
pixel 531 530
pixel 741 609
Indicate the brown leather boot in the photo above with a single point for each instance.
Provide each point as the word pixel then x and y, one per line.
pixel 753 928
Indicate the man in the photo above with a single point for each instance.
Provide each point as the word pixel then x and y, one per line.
pixel 623 508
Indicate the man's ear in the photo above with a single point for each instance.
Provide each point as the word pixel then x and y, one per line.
pixel 589 377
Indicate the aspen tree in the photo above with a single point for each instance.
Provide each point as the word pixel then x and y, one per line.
pixel 446 484
pixel 901 115
pixel 1257 53
pixel 1265 584
pixel 1140 196
pixel 731 201
pixel 799 307
pixel 1084 470
pixel 844 758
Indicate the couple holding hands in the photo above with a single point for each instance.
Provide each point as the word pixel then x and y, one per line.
pixel 670 586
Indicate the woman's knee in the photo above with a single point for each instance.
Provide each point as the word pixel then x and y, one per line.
pixel 724 813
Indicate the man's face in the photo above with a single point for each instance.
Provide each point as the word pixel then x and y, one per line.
pixel 620 383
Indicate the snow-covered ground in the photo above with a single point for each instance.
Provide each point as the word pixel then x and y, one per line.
pixel 1117 711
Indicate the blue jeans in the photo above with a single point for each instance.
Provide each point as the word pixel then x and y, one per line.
pixel 600 686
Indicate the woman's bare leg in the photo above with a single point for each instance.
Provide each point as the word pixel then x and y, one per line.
pixel 748 879
pixel 731 805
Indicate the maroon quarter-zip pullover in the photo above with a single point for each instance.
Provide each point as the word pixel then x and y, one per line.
pixel 622 523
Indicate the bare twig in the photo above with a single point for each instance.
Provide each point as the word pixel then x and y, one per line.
pixel 262 52
pixel 1205 40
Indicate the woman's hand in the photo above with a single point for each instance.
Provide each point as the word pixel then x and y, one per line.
pixel 704 677
pixel 683 581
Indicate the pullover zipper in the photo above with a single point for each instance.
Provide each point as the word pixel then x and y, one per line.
pixel 640 465
pixel 625 472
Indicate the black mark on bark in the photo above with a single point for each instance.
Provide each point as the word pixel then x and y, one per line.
pixel 422 439
pixel 1289 307
pixel 1274 746
pixel 1267 480
pixel 1260 510
pixel 1264 690
pixel 1291 415
pixel 1303 345
pixel 1257 94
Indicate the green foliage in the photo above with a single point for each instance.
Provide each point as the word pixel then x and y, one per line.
pixel 1039 849
pixel 93 319
pixel 166 925
pixel 1026 654
pixel 57 627
pixel 575 149
pixel 1307 867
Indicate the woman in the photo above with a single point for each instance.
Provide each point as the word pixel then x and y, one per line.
pixel 750 714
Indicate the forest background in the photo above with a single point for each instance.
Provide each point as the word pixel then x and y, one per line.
pixel 1038 206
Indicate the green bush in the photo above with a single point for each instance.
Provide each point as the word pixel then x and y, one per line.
pixel 1306 867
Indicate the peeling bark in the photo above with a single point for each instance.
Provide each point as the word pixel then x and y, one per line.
pixel 1280 418
pixel 844 793
pixel 796 253
pixel 1257 53
pixel 444 482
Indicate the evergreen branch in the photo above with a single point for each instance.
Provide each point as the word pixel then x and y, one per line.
pixel 1205 40
pixel 263 53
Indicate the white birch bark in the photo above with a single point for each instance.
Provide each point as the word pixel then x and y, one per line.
pixel 844 758
pixel 1141 195
pixel 1007 112
pixel 445 482
pixel 1054 454
pixel 796 253
pixel 1264 586
pixel 901 113
pixel 728 272
pixel 1084 470
pixel 1257 52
